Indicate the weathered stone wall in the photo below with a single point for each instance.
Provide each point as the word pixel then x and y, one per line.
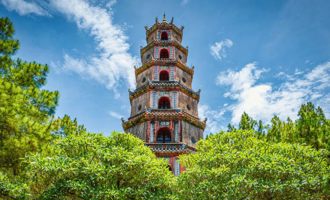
pixel 191 134
pixel 152 37
pixel 139 130
pixel 147 56
pixel 188 104
pixel 143 77
pixel 139 103
pixel 183 76
pixel 180 56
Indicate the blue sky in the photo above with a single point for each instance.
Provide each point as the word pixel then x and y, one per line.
pixel 262 57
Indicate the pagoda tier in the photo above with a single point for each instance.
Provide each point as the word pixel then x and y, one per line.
pixel 152 68
pixel 164 86
pixel 156 43
pixel 183 127
pixel 164 107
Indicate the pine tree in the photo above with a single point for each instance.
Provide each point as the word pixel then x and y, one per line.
pixel 247 122
pixel 275 131
pixel 26 110
pixel 311 125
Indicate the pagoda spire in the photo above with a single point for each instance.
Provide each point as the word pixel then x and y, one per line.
pixel 164 17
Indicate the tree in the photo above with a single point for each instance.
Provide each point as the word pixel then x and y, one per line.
pixel 12 188
pixel 238 165
pixel 261 130
pixel 312 126
pixel 26 110
pixel 231 128
pixel 247 122
pixel 276 129
pixel 289 132
pixel 92 166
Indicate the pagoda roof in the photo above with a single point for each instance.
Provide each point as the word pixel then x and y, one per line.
pixel 164 25
pixel 164 62
pixel 164 85
pixel 164 43
pixel 162 114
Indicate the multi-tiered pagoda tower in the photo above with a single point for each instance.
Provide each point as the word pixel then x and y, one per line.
pixel 164 110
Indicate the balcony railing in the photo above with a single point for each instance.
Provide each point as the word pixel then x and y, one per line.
pixel 170 147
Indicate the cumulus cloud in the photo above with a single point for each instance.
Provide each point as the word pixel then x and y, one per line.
pixel 113 63
pixel 215 118
pixel 218 49
pixel 24 7
pixel 263 100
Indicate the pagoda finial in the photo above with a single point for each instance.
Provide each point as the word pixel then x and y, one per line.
pixel 164 17
pixel 172 19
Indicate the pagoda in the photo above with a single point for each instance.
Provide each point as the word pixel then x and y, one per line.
pixel 164 108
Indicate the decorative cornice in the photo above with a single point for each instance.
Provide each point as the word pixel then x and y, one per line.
pixel 162 114
pixel 161 85
pixel 164 62
pixel 164 43
pixel 164 25
pixel 170 148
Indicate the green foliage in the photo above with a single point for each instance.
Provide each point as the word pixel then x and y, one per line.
pixel 92 166
pixel 66 126
pixel 12 188
pixel 238 165
pixel 46 158
pixel 25 108
pixel 247 122
pixel 312 126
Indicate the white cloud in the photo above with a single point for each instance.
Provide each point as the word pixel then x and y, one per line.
pixel 218 49
pixel 113 63
pixel 262 100
pixel 24 7
pixel 115 115
pixel 215 118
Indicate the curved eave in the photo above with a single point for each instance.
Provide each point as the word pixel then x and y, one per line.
pixel 164 62
pixel 158 85
pixel 164 25
pixel 159 114
pixel 164 43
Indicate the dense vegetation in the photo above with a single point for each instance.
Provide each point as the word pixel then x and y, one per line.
pixel 44 157
pixel 238 165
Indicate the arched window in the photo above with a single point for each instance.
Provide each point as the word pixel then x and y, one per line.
pixel 164 53
pixel 164 103
pixel 164 135
pixel 163 75
pixel 164 36
pixel 169 168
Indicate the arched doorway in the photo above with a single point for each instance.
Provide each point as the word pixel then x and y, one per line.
pixel 164 103
pixel 164 36
pixel 164 135
pixel 164 54
pixel 163 75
